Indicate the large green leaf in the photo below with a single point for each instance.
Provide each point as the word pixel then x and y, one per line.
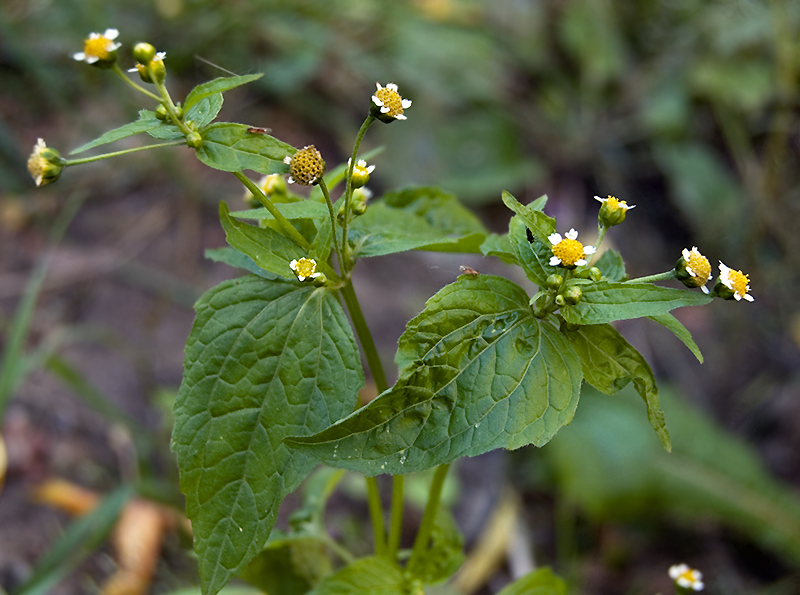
pixel 230 147
pixel 612 266
pixel 269 249
pixel 500 247
pixel 541 581
pixel 265 359
pixel 478 372
pixel 304 209
pixel 217 86
pixel 232 257
pixel 531 252
pixel 137 127
pixel 366 576
pixel 609 363
pixel 606 302
pixel 680 331
pixel 417 219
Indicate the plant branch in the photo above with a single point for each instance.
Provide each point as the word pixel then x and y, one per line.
pixel 429 516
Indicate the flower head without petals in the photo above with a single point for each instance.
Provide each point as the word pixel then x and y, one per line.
pixel 686 578
pixel 99 49
pixel 305 268
pixel 305 167
pixel 44 164
pixel 737 283
pixel 568 252
pixel 387 105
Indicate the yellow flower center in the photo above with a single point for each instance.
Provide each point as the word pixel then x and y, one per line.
pixel 698 266
pixel 392 100
pixel 738 282
pixel 613 203
pixel 569 251
pixel 306 166
pixel 305 267
pixel 98 47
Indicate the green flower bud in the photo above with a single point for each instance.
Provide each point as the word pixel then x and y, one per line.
pixel 143 53
pixel 572 295
pixel 361 173
pixel 44 164
pixel 161 113
pixel 320 280
pixel 561 301
pixel 194 139
pixel 554 281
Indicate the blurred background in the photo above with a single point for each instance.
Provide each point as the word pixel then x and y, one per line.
pixel 686 108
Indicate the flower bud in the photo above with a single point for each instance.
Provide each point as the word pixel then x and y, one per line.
pixel 44 164
pixel 194 139
pixel 361 173
pixel 554 281
pixel 560 300
pixel 143 53
pixel 320 280
pixel 612 211
pixel 572 295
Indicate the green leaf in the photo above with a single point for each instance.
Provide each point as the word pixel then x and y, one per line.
pixel 541 225
pixel 119 133
pixel 500 247
pixel 366 576
pixel 612 266
pixel 265 359
pixel 165 131
pixel 231 256
pixel 217 86
pixel 322 243
pixel 304 209
pixel 680 331
pixel 417 219
pixel 204 111
pixel 445 554
pixel 541 581
pixel 531 252
pixel 229 147
pixel 606 302
pixel 478 372
pixel 269 249
pixel 81 538
pixel 609 363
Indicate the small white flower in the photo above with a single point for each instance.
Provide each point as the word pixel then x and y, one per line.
pixel 736 281
pixel 305 268
pixel 686 577
pixel 568 251
pixel 98 46
pixel 389 102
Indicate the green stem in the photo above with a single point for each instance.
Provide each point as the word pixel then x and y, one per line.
pixel 338 549
pixel 324 187
pixel 119 72
pixel 376 514
pixel 429 516
pixel 396 525
pixel 348 194
pixel 166 101
pixel 601 233
pixel 68 162
pixel 282 221
pixel 364 337
pixel 651 278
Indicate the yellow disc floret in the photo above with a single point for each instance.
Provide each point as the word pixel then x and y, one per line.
pixel 305 268
pixel 305 167
pixel 693 269
pixel 568 252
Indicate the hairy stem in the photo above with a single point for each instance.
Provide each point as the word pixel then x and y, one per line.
pixel 68 162
pixel 396 524
pixel 348 193
pixel 121 74
pixel 324 187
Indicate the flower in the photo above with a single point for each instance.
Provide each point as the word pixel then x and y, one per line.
pixel 686 578
pixel 305 268
pixel 361 173
pixel 693 269
pixel 99 49
pixel 387 105
pixel 44 164
pixel 156 66
pixel 305 167
pixel 736 282
pixel 568 252
pixel 612 211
